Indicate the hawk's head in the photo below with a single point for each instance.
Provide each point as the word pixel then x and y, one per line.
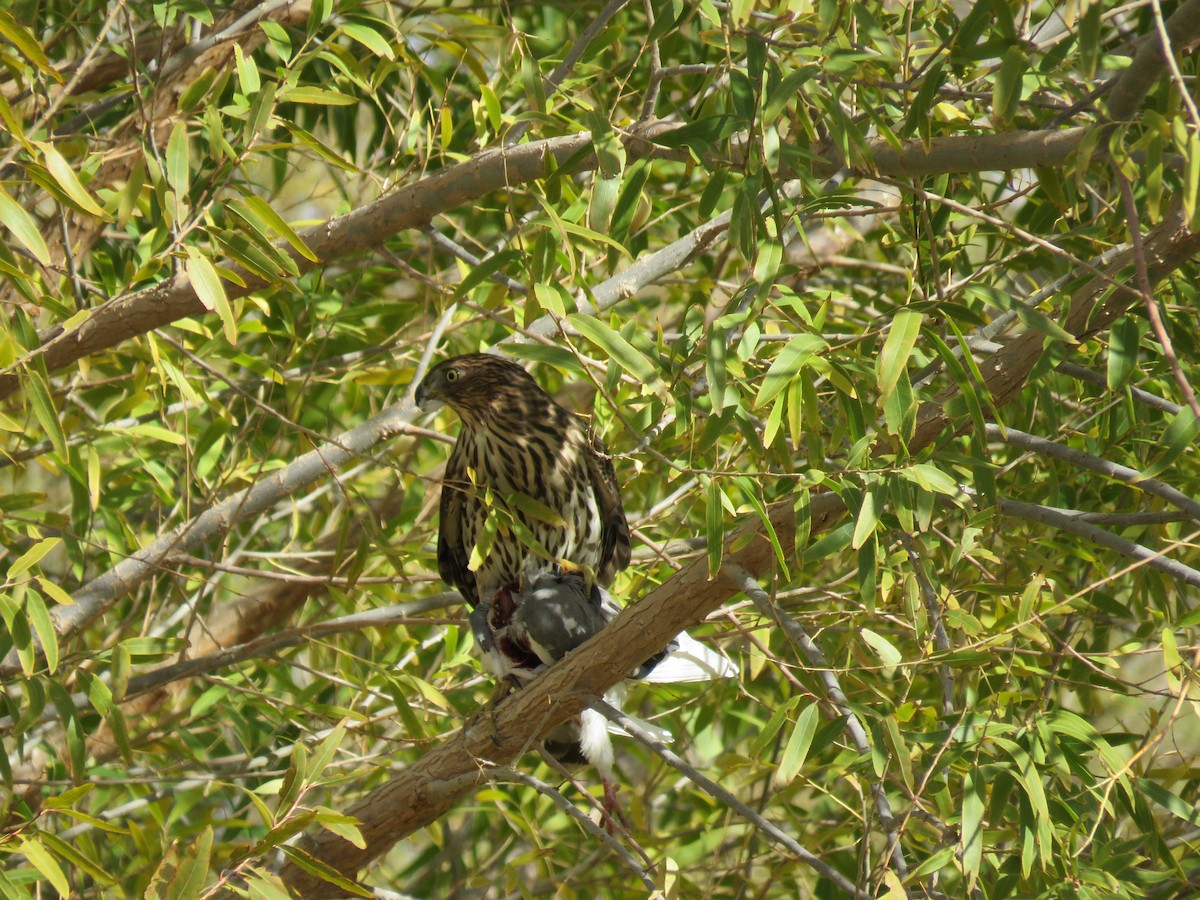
pixel 472 385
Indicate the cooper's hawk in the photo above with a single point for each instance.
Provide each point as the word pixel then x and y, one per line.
pixel 538 468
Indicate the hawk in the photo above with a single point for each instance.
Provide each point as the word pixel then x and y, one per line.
pixel 537 467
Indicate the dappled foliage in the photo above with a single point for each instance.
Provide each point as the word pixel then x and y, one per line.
pixel 905 291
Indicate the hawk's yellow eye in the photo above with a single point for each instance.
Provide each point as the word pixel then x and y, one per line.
pixel 452 375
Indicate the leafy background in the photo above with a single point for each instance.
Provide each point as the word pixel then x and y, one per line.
pixel 887 312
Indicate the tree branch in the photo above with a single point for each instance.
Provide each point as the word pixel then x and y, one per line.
pixel 1117 472
pixel 427 789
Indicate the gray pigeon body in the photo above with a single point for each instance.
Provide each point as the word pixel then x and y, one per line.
pixel 520 633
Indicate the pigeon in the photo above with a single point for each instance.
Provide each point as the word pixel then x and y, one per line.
pixel 520 633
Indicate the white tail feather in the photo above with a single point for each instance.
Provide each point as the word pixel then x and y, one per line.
pixel 691 661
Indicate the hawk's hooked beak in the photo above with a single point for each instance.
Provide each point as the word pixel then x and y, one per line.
pixel 426 402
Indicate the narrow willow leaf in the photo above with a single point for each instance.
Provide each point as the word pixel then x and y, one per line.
pixel 1191 184
pixel 787 366
pixel 266 217
pixel 37 388
pixel 344 826
pixel 43 627
pixel 1123 351
pixel 26 43
pixel 1177 438
pixel 23 228
pixel 210 290
pixel 868 517
pixel 1006 93
pixel 318 869
pixel 41 859
pixel 1172 803
pixel 796 749
pixel 189 878
pixel 32 557
pixel 247 71
pixel 534 509
pixel 179 163
pixel 324 753
pixel 62 172
pixel 714 367
pixel 974 794
pixel 884 649
pixel 627 356
pixel 316 97
pixel 893 359
pixel 603 202
pixel 714 527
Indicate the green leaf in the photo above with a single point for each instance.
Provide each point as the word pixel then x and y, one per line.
pixel 189 878
pixel 23 228
pixel 179 172
pixel 41 859
pixel 884 648
pixel 1006 93
pixel 248 79
pixel 261 213
pixel 796 749
pixel 714 526
pixel 1172 803
pixel 315 867
pixel 369 38
pixel 902 337
pixel 868 516
pixel 344 826
pixel 210 290
pixel 43 627
pixel 26 44
pixel 973 805
pixel 37 388
pixel 32 557
pixel 714 367
pixel 62 172
pixel 1178 437
pixel 534 509
pixel 616 347
pixel 788 365
pixel 313 96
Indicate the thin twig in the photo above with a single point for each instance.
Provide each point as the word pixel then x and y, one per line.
pixel 749 585
pixel 562 803
pixel 1096 464
pixel 934 606
pixel 715 790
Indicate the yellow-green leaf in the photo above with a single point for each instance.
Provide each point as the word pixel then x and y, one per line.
pixel 25 42
pixel 179 160
pixel 41 859
pixel 787 366
pixel 32 556
pixel 206 281
pixel 257 206
pixel 317 97
pixel 796 749
pixel 62 172
pixel 43 627
pixel 37 389
pixel 901 339
pixel 23 228
pixel 627 356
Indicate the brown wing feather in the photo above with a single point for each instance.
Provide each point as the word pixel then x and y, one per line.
pixel 452 555
pixel 614 529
